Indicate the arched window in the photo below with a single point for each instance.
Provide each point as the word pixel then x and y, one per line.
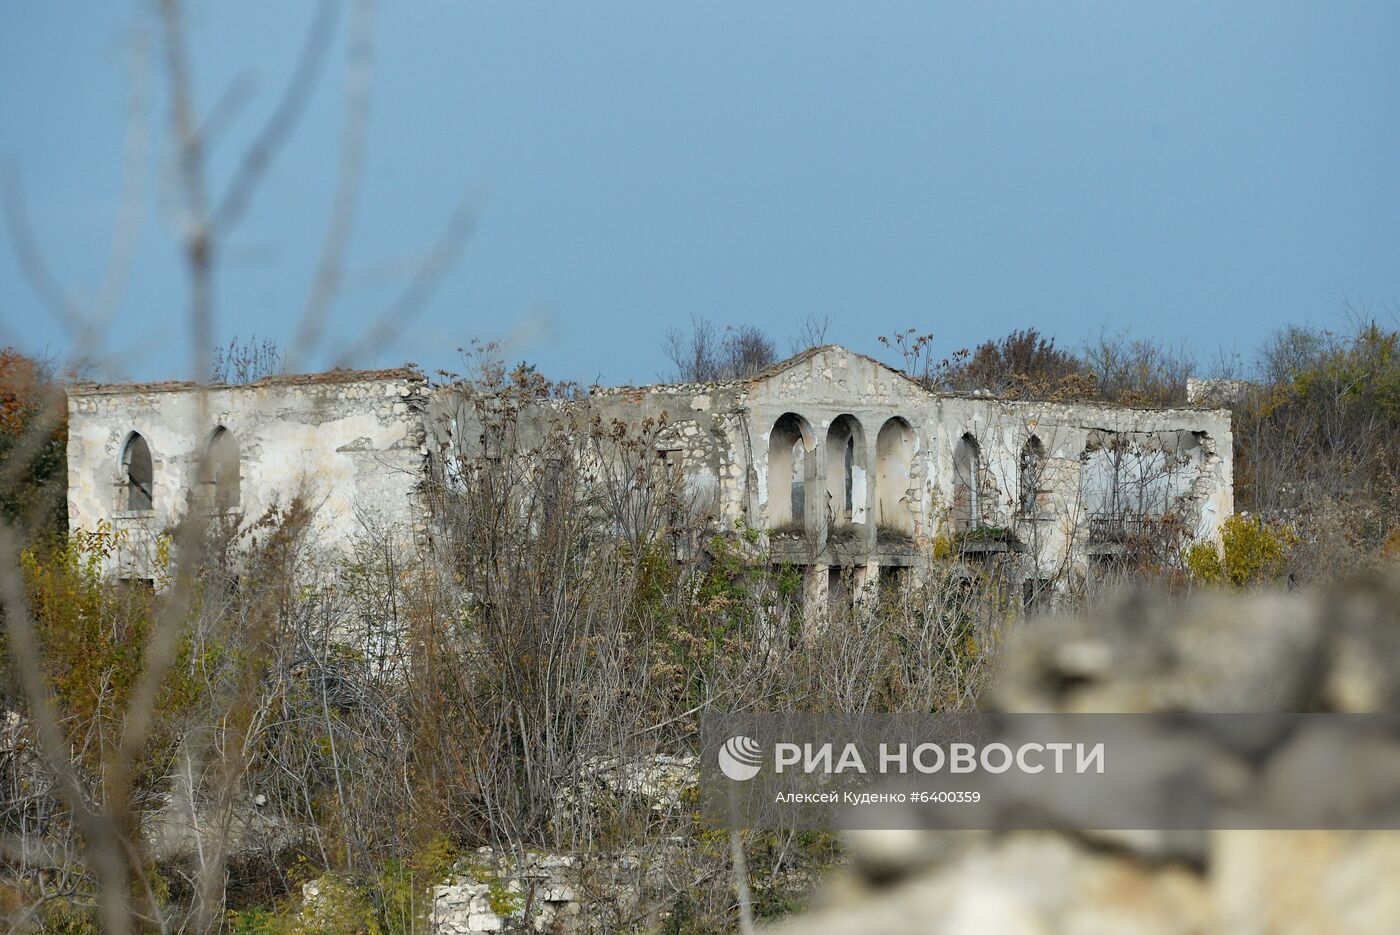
pixel 967 470
pixel 138 474
pixel 788 444
pixel 894 456
pixel 220 471
pixel 1032 474
pixel 845 472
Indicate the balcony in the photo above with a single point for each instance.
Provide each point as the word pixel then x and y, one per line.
pixel 988 540
pixel 1122 533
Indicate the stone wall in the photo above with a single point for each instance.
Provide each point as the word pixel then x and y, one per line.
pixel 352 443
pixel 551 893
pixel 874 459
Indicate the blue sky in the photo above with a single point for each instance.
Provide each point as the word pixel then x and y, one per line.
pixel 1188 171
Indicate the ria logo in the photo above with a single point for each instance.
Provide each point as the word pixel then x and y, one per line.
pixel 740 758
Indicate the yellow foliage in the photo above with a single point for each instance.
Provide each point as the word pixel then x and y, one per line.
pixel 1252 551
pixel 942 548
pixel 1390 548
pixel 92 633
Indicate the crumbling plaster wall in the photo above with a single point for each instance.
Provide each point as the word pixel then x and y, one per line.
pixel 1194 445
pixel 1003 427
pixel 1067 431
pixel 718 434
pixel 833 382
pixel 693 427
pixel 353 445
pixel 703 437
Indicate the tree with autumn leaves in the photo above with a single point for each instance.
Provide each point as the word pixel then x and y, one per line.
pixel 33 443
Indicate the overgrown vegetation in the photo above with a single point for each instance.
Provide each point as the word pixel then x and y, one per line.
pixel 1318 446
pixel 365 724
pixel 1026 364
pixel 248 361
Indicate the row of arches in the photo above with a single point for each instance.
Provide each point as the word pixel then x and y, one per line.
pixel 220 474
pixel 792 472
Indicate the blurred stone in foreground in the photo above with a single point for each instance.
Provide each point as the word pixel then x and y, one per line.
pixel 1336 650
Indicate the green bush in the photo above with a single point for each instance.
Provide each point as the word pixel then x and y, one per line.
pixel 1252 552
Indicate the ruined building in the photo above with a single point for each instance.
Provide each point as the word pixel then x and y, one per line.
pixel 850 469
